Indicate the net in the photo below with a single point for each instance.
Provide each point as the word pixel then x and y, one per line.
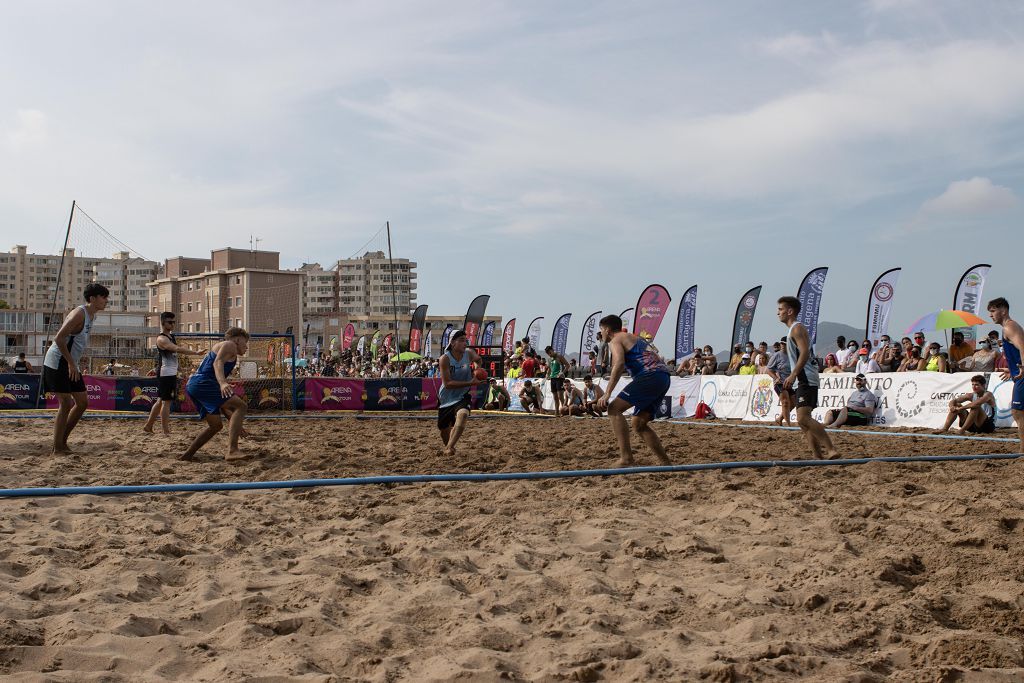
pixel 264 376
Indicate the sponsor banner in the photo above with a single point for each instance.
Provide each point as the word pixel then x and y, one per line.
pixel 968 296
pixel 627 318
pixel 445 336
pixel 488 335
pixel 261 395
pixel 415 340
pixel 560 335
pixel 428 345
pixel 810 300
pixel 329 393
pixel 392 394
pixel 588 337
pixel 744 319
pixel 374 344
pixel 728 396
pixel 651 309
pixel 685 324
pixel 508 337
pixel 102 391
pixel 18 392
pixel 416 326
pixel 348 336
pixel 475 317
pixel 135 393
pixel 361 346
pixel 387 344
pixel 428 393
pixel 533 333
pixel 880 305
pixel 1002 390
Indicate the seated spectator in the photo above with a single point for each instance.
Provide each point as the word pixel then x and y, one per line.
pixel 841 351
pixel 983 360
pixel 497 396
pixel 959 350
pixel 592 393
pixel 865 363
pixel 761 359
pixel 934 362
pixel 690 366
pixel 710 365
pixel 912 361
pixel 919 339
pixel 734 361
pixel 514 371
pixel 975 411
pixel 530 398
pixel 573 370
pixel 859 409
pixel 831 364
pixel 849 363
pixel 572 400
pixel 886 354
pixel 746 367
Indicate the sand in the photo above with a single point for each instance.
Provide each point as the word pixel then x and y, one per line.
pixel 866 573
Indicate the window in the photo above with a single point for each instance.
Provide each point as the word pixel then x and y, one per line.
pixel 190 286
pixel 199 284
pixel 238 322
pixel 229 302
pixel 189 306
pixel 199 305
pixel 182 307
pixel 270 278
pixel 238 279
pixel 199 327
pixel 189 327
pixel 184 273
pixel 238 301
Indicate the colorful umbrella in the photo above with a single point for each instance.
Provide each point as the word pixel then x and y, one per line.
pixel 945 320
pixel 406 355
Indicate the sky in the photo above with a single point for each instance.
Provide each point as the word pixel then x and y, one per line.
pixel 557 156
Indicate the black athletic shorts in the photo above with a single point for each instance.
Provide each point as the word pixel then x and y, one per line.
pixel 779 388
pixel 857 420
pixel 557 383
pixel 806 397
pixel 59 382
pixel 446 415
pixel 168 387
pixel 986 427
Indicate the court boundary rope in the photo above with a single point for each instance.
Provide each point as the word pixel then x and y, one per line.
pixel 36 492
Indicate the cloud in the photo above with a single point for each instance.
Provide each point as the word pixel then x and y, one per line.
pixel 797 45
pixel 30 129
pixel 968 197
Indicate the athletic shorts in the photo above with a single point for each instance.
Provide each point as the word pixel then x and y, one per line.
pixel 1017 401
pixel 986 427
pixel 446 415
pixel 168 387
pixel 806 396
pixel 557 383
pixel 856 419
pixel 779 388
pixel 646 391
pixel 59 382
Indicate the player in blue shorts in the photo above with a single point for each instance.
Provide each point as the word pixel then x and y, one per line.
pixel 650 383
pixel 211 392
pixel 1013 342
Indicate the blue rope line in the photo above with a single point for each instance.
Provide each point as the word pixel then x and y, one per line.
pixel 495 476
pixel 867 432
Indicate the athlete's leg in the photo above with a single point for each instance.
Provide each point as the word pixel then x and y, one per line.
pixel 237 409
pixel 621 430
pixel 153 413
pixel 841 418
pixel 461 418
pixel 953 414
pixel 1018 417
pixel 81 402
pixel 642 425
pixel 213 425
pixel 165 416
pixel 60 423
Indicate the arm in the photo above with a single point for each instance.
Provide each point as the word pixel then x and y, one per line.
pixel 226 352
pixel 985 398
pixel 803 344
pixel 1013 332
pixel 165 344
pixel 618 367
pixel 446 374
pixel 73 324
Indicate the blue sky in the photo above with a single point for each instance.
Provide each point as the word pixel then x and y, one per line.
pixel 558 156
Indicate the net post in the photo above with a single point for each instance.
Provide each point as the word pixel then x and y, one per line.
pixel 56 290
pixel 295 387
pixel 394 309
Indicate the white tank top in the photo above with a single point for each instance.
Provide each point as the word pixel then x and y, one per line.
pixel 77 344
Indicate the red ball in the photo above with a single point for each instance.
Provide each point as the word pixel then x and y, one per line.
pixel 480 374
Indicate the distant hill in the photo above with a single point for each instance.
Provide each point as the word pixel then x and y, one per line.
pixel 827 333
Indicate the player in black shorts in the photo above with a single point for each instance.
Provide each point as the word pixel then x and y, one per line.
pixel 167 351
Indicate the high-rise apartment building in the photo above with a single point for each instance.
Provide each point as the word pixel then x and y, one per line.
pixel 371 285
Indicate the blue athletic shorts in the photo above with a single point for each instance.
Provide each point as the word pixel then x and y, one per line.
pixel 1017 402
pixel 645 392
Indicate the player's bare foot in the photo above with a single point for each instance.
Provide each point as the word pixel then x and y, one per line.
pixel 450 452
pixel 625 462
pixel 187 457
pixel 938 431
pixel 61 451
pixel 664 461
pixel 148 430
pixel 833 455
pixel 237 455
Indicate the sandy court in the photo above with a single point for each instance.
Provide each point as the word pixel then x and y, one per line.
pixel 876 572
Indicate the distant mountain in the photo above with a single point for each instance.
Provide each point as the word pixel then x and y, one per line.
pixel 827 333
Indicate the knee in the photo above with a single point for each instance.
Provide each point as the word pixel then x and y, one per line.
pixel 640 424
pixel 215 426
pixel 614 410
pixel 81 403
pixel 461 417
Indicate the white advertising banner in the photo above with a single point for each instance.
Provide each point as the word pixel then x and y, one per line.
pixel 880 305
pixel 728 397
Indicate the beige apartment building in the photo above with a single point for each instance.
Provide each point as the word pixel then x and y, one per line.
pixel 367 286
pixel 28 281
pixel 233 288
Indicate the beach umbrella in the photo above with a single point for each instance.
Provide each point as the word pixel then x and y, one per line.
pixel 406 355
pixel 945 320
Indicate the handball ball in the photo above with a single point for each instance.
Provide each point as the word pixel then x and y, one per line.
pixel 480 374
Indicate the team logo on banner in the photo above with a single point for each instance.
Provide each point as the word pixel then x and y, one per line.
pixel 749 302
pixel 709 394
pixel 907 404
pixel 884 291
pixel 10 393
pixel 761 398
pixel 140 397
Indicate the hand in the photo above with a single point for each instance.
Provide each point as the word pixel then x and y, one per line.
pixel 73 372
pixel 226 390
pixel 787 383
pixel 1020 375
pixel 602 403
pixel 1005 376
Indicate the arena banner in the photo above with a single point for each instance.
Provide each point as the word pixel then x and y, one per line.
pixel 533 333
pixel 627 317
pixel 685 324
pixel 419 320
pixel 102 392
pixel 588 337
pixel 332 393
pixel 560 333
pixel 18 392
pixel 880 305
pixel 361 346
pixel 135 393
pixel 967 296
pixel 508 337
pixel 444 338
pixel 809 295
pixel 475 317
pixel 651 309
pixel 727 396
pixel 488 335
pixel 264 394
pixel 744 319
pixel 392 394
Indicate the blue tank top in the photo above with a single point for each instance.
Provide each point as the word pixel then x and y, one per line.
pixel 77 344
pixel 1012 355
pixel 206 371
pixel 643 360
pixel 461 371
pixel 808 377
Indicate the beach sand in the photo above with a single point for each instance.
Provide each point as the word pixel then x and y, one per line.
pixel 910 572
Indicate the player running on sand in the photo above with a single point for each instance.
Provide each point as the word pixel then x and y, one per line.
pixel 650 383
pixel 453 400
pixel 1013 342
pixel 211 392
pixel 803 378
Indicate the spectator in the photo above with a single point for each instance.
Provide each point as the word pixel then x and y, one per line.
pixel 690 366
pixel 865 363
pixel 746 366
pixel 778 370
pixel 734 361
pixel 975 411
pixel 761 358
pixel 529 365
pixel 959 350
pixel 710 366
pixel 530 398
pixel 885 356
pixel 841 351
pixel 983 360
pixel 514 371
pixel 22 366
pixel 919 339
pixel 556 376
pixel 497 396
pixel 591 394
pixel 934 362
pixel 592 360
pixel 831 364
pixel 859 409
pixel 849 362
pixel 912 361
pixel 572 400
pixel 518 351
